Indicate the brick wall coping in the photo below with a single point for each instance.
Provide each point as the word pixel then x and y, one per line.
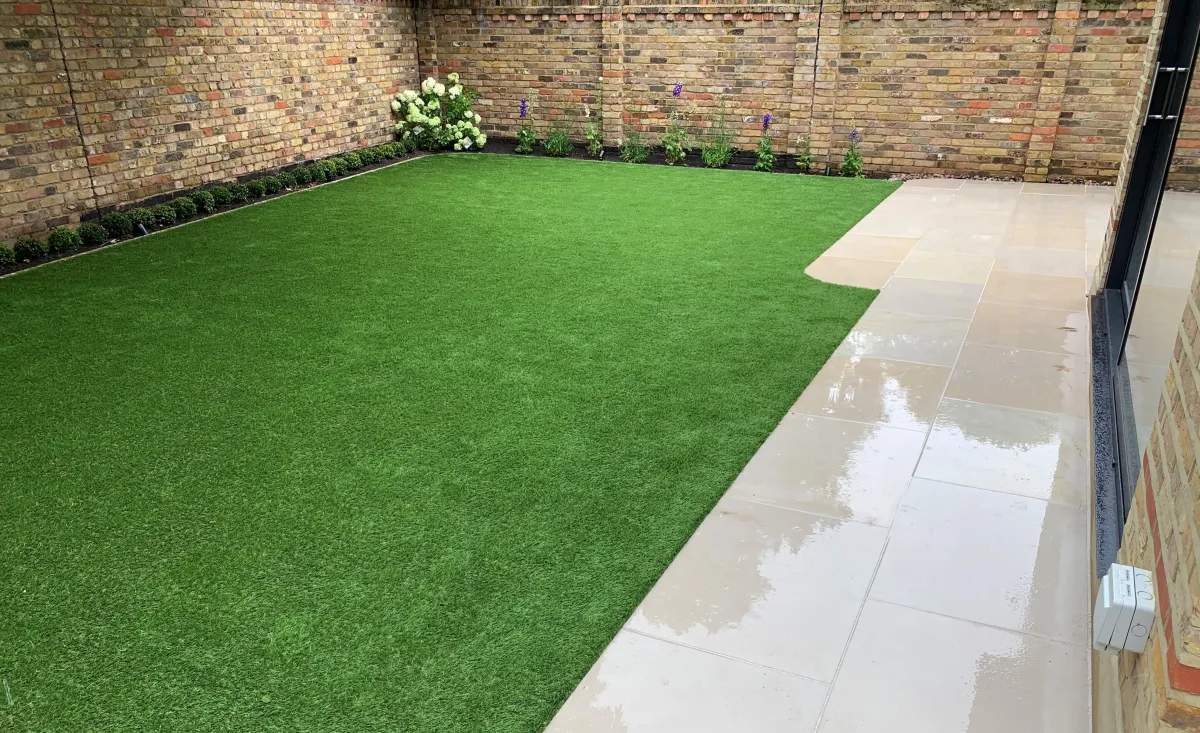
pixel 748 11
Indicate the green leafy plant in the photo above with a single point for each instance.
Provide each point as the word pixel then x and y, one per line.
pixel 92 234
pixel 675 139
pixel 287 180
pixel 204 201
pixel 27 249
pixel 323 171
pixel 634 148
pixel 184 207
pixel 164 214
pixel 369 156
pixel 852 161
pixel 353 161
pixel 143 217
pixel 558 142
pixel 593 134
pixel 764 156
pixel 438 117
pixel 804 159
pixel 238 193
pixel 7 257
pixel 117 224
pixel 62 239
pixel 256 188
pixel 341 166
pixel 718 151
pixel 221 195
pixel 303 175
pixel 271 184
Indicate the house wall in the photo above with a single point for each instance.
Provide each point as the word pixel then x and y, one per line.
pixel 103 103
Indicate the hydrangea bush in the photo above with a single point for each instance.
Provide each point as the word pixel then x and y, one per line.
pixel 438 117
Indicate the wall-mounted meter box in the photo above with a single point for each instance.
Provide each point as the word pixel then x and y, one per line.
pixel 1124 610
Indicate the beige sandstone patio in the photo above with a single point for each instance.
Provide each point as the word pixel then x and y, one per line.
pixel 908 551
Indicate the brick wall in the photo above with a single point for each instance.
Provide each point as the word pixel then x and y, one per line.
pixel 1041 91
pixel 171 94
pixel 1160 689
pixel 43 177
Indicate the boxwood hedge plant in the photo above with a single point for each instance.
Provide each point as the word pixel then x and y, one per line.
pixel 142 217
pixel 238 193
pixel 221 195
pixel 6 255
pixel 92 235
pixel 164 215
pixel 117 224
pixel 303 175
pixel 286 180
pixel 184 207
pixel 62 239
pixel 28 249
pixel 256 188
pixel 204 201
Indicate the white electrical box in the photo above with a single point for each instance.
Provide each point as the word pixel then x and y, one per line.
pixel 1124 610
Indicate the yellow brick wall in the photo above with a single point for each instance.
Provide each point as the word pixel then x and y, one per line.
pixel 155 96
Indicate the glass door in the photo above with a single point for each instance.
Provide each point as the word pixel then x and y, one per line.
pixel 1154 257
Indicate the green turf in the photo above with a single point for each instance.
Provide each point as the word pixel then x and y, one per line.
pixel 398 453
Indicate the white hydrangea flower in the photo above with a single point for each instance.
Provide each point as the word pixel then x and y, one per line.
pixel 396 106
pixel 413 111
pixel 429 84
pixel 481 139
pixel 453 77
pixel 433 104
pixel 478 119
pixel 458 146
pixel 455 91
pixel 439 89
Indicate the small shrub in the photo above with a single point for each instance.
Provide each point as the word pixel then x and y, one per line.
pixel 392 150
pixel 675 140
pixel 92 234
pixel 341 167
pixel 558 142
pixel 271 184
pixel 804 159
pixel 353 161
pixel 634 149
pixel 370 156
pixel 184 207
pixel 594 136
pixel 256 188
pixel 526 135
pixel 143 217
pixel 238 193
pixel 6 255
pixel 164 214
pixel 303 175
pixel 286 180
pixel 28 249
pixel 764 156
pixel 852 162
pixel 117 224
pixel 62 239
pixel 221 195
pixel 719 150
pixel 318 173
pixel 204 201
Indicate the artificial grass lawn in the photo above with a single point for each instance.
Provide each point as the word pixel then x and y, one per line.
pixel 398 453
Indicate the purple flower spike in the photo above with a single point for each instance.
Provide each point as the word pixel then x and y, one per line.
pixel 524 107
pixel 855 135
pixel 766 121
pixel 678 89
